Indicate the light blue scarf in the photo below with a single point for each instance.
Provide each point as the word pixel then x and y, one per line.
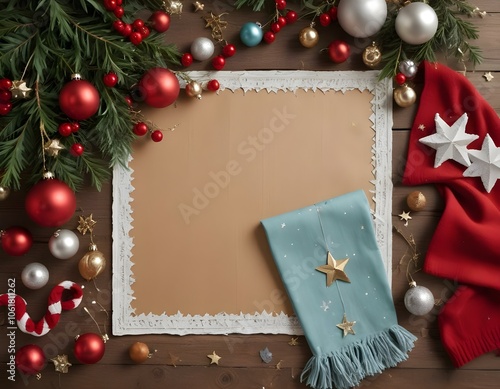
pixel 297 241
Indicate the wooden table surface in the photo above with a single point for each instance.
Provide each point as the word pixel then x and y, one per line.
pixel 181 362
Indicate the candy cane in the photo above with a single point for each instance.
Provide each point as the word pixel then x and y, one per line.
pixel 54 309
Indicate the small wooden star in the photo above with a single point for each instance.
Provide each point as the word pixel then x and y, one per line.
pixel 20 90
pixel 214 358
pixel 86 224
pixel 294 342
pixel 52 147
pixel 406 217
pixel 346 326
pixel 198 6
pixel 488 76
pixel 174 359
pixel 61 363
pixel 334 270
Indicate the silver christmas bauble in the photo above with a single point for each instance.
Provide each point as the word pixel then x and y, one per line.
pixel 408 68
pixel 419 300
pixel 362 18
pixel 416 23
pixel 202 48
pixel 4 192
pixel 63 244
pixel 35 275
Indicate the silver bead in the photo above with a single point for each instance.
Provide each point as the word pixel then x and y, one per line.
pixel 408 68
pixel 419 300
pixel 362 18
pixel 35 275
pixel 63 244
pixel 416 23
pixel 202 48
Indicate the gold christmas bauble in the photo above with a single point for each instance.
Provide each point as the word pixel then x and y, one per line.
pixel 193 89
pixel 416 201
pixel 308 37
pixel 372 55
pixel 404 96
pixel 92 263
pixel 139 352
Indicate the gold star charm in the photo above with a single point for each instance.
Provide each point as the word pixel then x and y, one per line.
pixel 20 90
pixel 334 270
pixel 216 23
pixel 294 342
pixel 346 326
pixel 406 217
pixel 173 7
pixel 52 147
pixel 198 6
pixel 86 224
pixel 214 358
pixel 488 76
pixel 61 363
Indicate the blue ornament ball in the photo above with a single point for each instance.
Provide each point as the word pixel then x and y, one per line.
pixel 251 34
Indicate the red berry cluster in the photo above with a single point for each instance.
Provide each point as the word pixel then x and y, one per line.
pixel 218 62
pixel 141 129
pixel 68 128
pixel 136 31
pixel 281 19
pixel 5 96
pixel 330 15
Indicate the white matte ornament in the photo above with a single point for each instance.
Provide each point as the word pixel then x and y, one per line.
pixel 35 275
pixel 64 244
pixel 202 48
pixel 416 23
pixel 362 18
pixel 419 300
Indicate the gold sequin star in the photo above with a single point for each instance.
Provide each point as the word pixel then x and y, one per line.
pixel 173 7
pixel 346 326
pixel 61 363
pixel 52 147
pixel 334 270
pixel 198 6
pixel 406 217
pixel 20 90
pixel 294 342
pixel 488 76
pixel 214 358
pixel 86 224
pixel 216 24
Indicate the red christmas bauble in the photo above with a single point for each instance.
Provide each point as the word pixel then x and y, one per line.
pixel 30 359
pixel 269 37
pixel 110 79
pixel 65 129
pixel 140 129
pixel 89 348
pixel 160 21
pixel 186 59
pixel 213 85
pixel 218 62
pixel 159 87
pixel 339 51
pixel 16 241
pixel 157 136
pixel 50 203
pixel 229 50
pixel 291 17
pixel 79 99
pixel 76 149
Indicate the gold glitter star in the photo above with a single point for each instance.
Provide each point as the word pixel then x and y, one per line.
pixel 173 7
pixel 216 24
pixel 278 365
pixel 61 363
pixel 406 217
pixel 52 147
pixel 214 358
pixel 294 342
pixel 334 270
pixel 86 224
pixel 198 6
pixel 421 127
pixel 346 326
pixel 20 90
pixel 488 76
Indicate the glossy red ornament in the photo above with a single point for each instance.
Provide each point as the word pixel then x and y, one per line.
pixel 291 17
pixel 140 129
pixel 280 4
pixel 79 99
pixel 325 19
pixel 275 27
pixel 110 79
pixel 50 203
pixel 157 136
pixel 5 108
pixel 281 21
pixel 119 12
pixel 229 50
pixel 65 129
pixel 159 87
pixel 218 62
pixel 5 95
pixel 213 85
pixel 400 78
pixel 160 21
pixel 269 37
pixel 339 51
pixel 16 241
pixel 89 348
pixel 186 59
pixel 5 83
pixel 110 5
pixel 135 38
pixel 30 359
pixel 76 149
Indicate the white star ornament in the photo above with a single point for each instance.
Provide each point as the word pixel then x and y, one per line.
pixel 485 163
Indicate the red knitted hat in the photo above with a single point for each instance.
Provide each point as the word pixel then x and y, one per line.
pixel 465 244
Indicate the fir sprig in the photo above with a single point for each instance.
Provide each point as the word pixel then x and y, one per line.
pixel 47 41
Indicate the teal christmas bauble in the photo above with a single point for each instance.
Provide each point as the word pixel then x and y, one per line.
pixel 251 34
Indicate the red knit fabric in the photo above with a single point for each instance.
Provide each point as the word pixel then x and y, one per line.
pixel 465 246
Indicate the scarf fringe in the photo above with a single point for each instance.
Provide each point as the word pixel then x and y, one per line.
pixel 346 367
